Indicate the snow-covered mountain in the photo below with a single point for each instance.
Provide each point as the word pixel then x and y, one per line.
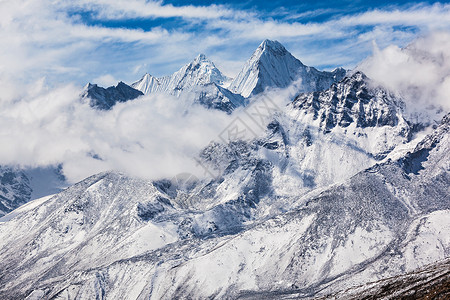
pixel 112 237
pixel 201 71
pixel 341 190
pixel 320 138
pixel 20 185
pixel 271 65
pixel 105 99
pixel 197 82
pixel 15 189
pixel 201 82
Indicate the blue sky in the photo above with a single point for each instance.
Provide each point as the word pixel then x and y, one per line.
pixel 105 41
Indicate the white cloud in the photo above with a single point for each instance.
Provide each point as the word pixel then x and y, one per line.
pixel 48 38
pixel 152 136
pixel 420 73
pixel 38 37
pixel 121 9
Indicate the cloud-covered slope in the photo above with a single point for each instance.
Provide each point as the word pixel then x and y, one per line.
pixel 120 237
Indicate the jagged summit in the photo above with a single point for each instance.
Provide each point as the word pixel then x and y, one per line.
pixel 200 71
pixel 105 99
pixel 202 58
pixel 272 46
pixel 353 100
pixel 201 80
pixel 271 65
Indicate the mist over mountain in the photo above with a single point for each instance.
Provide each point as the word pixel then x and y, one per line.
pixel 282 182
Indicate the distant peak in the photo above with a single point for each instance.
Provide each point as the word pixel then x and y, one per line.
pixel 201 56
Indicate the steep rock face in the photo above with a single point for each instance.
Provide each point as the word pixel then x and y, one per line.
pixel 20 185
pixel 271 65
pixel 116 237
pixel 15 189
pixel 351 100
pixel 105 99
pixel 310 145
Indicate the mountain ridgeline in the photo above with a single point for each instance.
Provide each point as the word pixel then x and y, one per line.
pixel 270 66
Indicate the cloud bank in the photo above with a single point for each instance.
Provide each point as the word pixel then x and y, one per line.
pixel 152 136
pixel 418 73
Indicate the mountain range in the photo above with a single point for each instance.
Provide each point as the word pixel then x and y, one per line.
pixel 270 66
pixel 342 196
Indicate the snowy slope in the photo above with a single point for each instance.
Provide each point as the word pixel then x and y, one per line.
pixel 115 237
pixel 271 65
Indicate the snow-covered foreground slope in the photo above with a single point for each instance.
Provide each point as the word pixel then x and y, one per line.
pixel 429 282
pixel 115 237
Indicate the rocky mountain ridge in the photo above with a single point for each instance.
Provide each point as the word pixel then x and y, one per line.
pixel 201 82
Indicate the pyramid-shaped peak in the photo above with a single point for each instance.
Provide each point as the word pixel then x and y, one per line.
pixel 273 46
pixel 147 76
